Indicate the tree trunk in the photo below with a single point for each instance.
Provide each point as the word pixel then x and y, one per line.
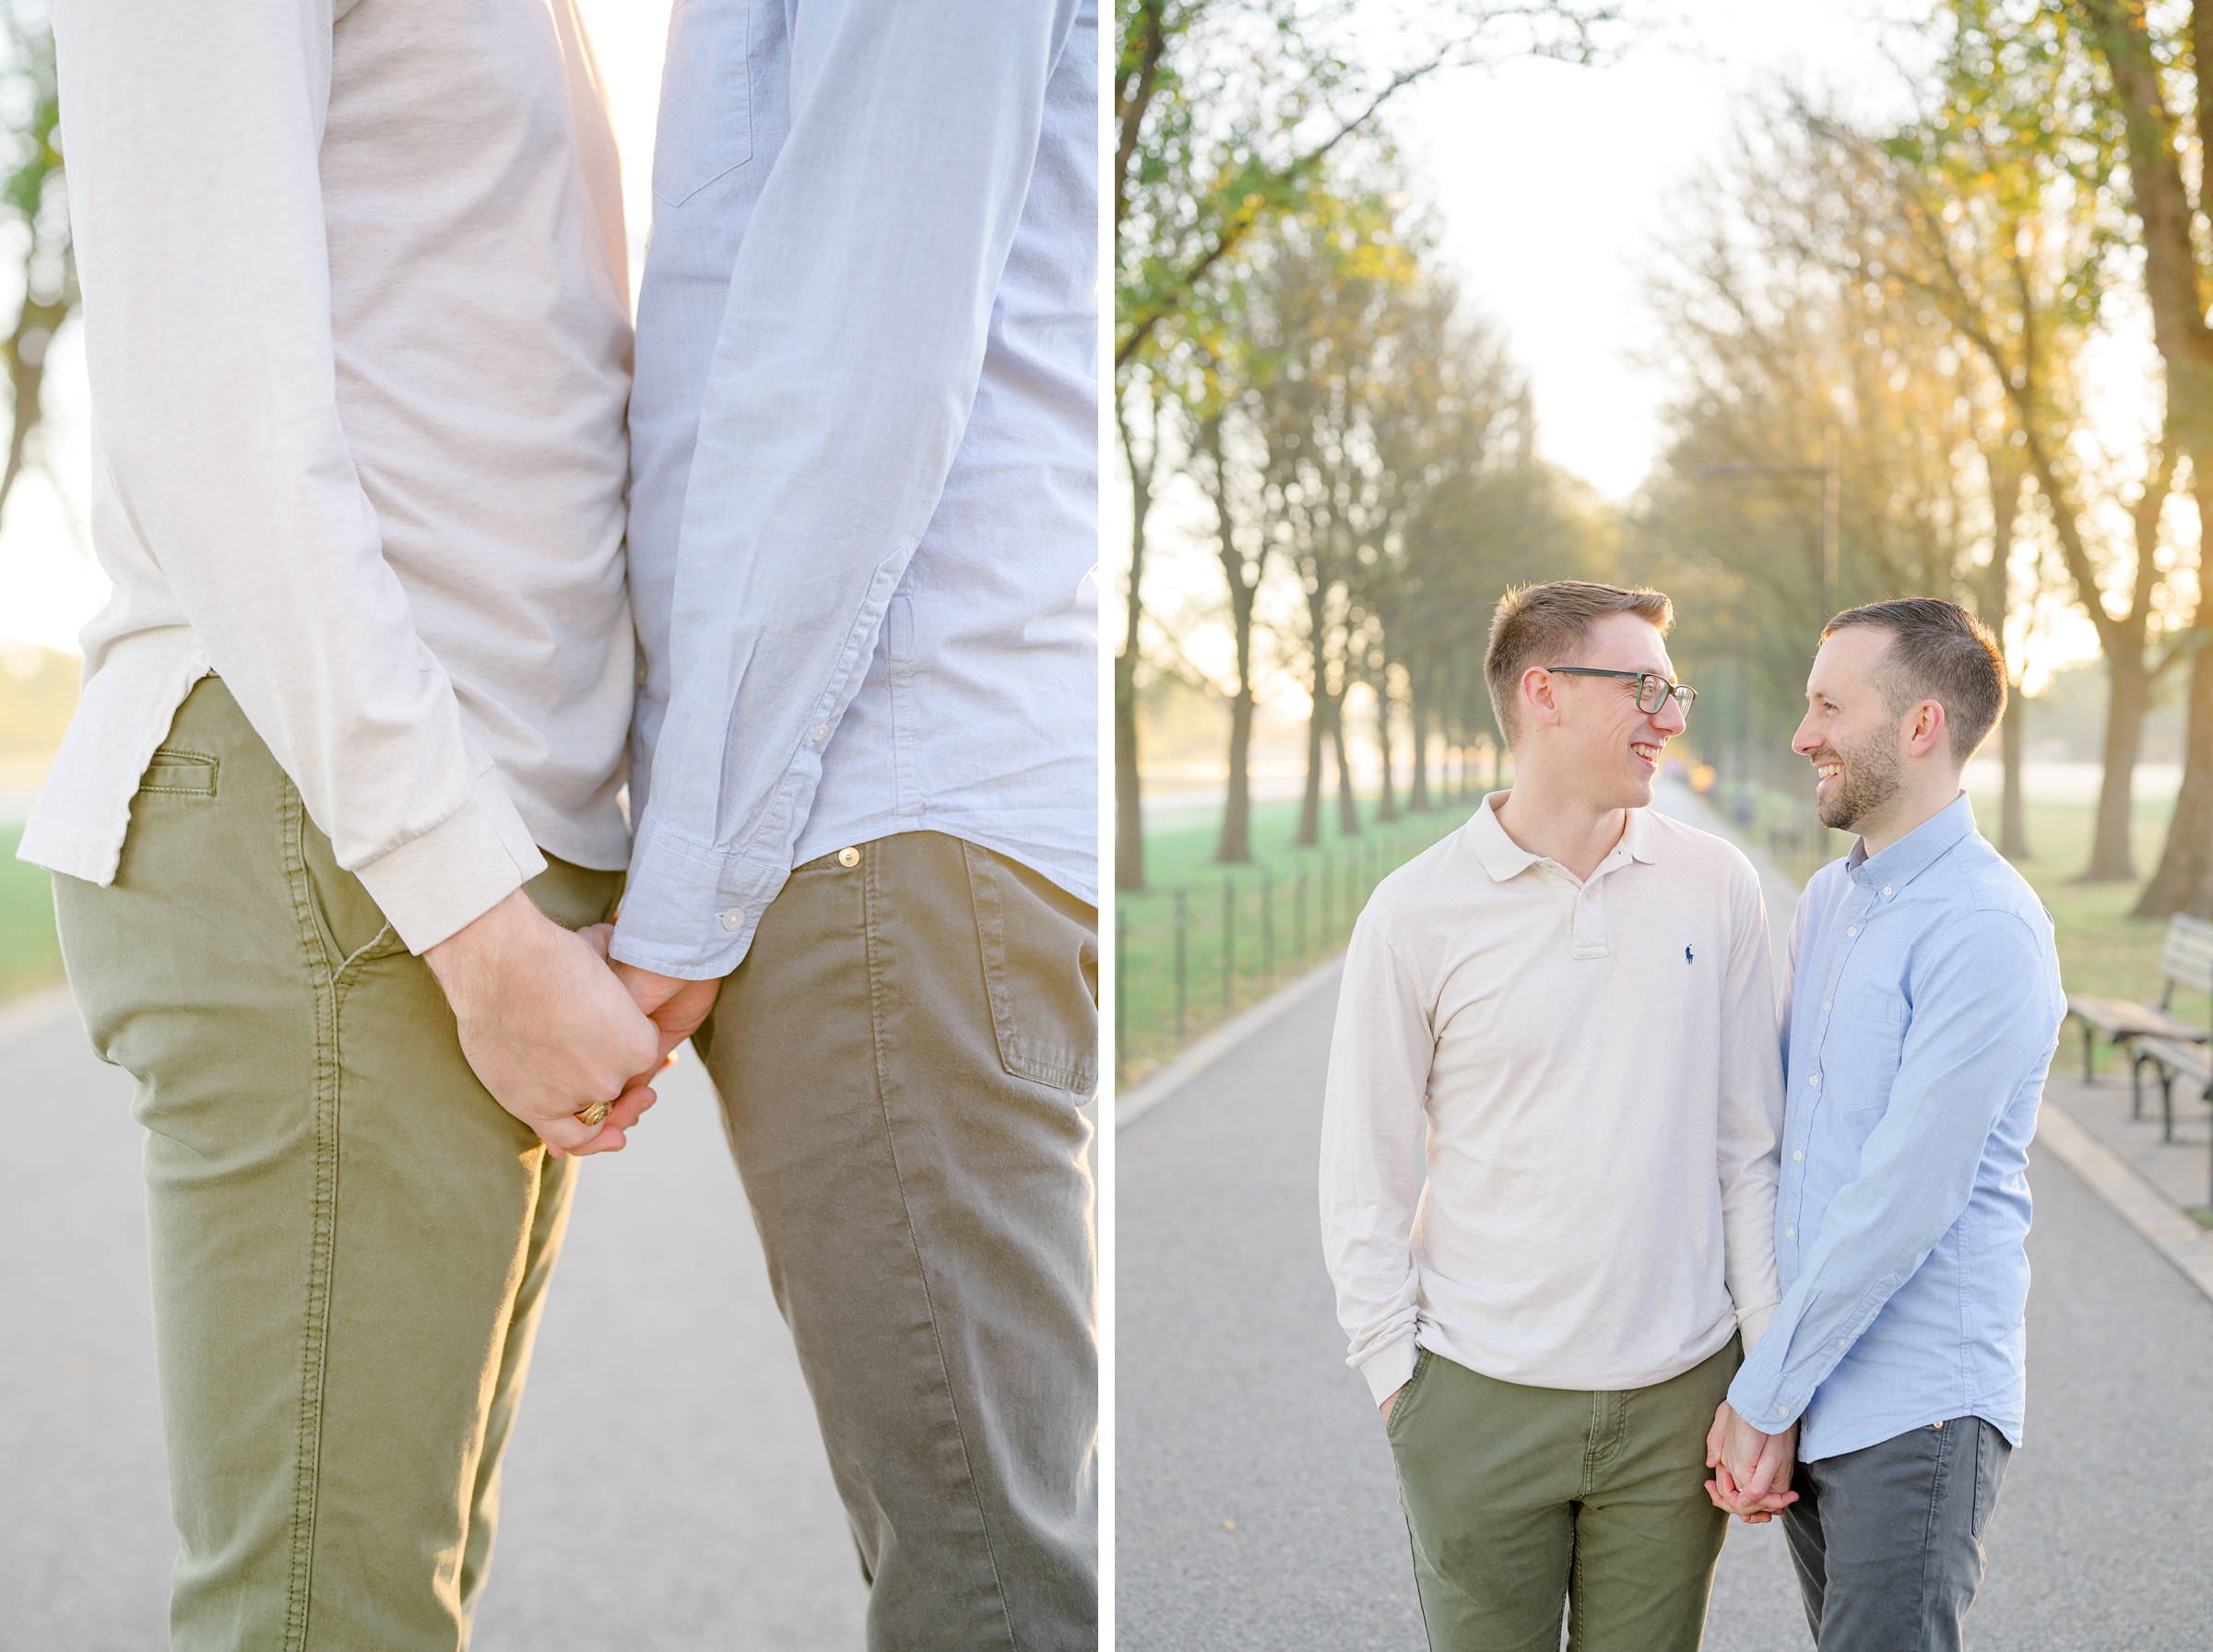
pixel 1236 846
pixel 2129 689
pixel 1318 722
pixel 1417 794
pixel 2013 824
pixel 1996 602
pixel 1129 813
pixel 1387 810
pixel 1348 812
pixel 2184 878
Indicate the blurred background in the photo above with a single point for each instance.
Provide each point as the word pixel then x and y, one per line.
pixel 1778 306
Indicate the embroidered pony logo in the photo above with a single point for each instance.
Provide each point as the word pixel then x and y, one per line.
pixel 1687 956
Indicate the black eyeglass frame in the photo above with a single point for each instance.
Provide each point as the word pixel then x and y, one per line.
pixel 1684 694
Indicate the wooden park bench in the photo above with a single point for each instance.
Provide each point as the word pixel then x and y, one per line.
pixel 2186 959
pixel 2175 1060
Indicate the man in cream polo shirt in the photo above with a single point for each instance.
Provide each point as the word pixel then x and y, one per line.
pixel 1561 1020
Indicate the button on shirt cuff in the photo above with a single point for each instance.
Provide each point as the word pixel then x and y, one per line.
pixel 1756 1397
pixel 434 885
pixel 688 911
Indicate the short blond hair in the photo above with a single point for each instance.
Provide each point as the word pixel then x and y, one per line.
pixel 1543 625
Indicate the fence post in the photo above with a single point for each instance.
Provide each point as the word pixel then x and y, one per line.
pixel 1267 927
pixel 1182 930
pixel 1229 938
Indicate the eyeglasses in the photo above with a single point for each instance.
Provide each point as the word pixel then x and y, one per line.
pixel 1652 689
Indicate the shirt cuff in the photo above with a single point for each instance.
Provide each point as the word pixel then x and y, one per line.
pixel 1752 1325
pixel 1389 1368
pixel 690 912
pixel 434 885
pixel 1759 1398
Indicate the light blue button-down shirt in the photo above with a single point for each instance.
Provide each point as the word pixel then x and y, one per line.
pixel 864 472
pixel 1923 1010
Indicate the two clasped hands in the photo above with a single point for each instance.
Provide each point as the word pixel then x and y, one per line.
pixel 551 1025
pixel 1752 1471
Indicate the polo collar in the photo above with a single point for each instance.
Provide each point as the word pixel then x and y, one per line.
pixel 1504 859
pixel 1914 853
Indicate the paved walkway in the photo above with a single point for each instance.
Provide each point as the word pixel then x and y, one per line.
pixel 666 1488
pixel 1257 1508
pixel 1257 1505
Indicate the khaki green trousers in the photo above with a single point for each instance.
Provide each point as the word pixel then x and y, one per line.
pixel 350 1239
pixel 1521 1501
pixel 903 1058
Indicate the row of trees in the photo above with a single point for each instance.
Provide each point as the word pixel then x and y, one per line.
pixel 1283 348
pixel 1935 292
pixel 1911 316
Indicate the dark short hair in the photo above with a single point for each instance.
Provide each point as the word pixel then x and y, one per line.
pixel 1540 625
pixel 1938 651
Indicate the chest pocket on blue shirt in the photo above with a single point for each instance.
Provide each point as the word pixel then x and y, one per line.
pixel 1864 1044
pixel 706 123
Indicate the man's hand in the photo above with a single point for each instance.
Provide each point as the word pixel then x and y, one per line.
pixel 546 1026
pixel 1390 1400
pixel 1752 1471
pixel 675 1006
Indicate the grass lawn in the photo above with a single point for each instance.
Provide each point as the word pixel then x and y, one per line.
pixel 30 955
pixel 1292 907
pixel 1288 909
pixel 2102 949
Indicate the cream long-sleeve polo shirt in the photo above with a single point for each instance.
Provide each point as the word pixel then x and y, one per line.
pixel 1549 1140
pixel 357 327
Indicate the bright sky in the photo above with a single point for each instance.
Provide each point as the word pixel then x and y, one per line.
pixel 1556 184
pixel 49 583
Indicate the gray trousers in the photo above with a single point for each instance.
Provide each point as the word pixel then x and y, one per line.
pixel 1888 1540
pixel 902 1060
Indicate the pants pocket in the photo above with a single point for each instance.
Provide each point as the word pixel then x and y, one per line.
pixel 1992 1454
pixel 1041 964
pixel 1394 1423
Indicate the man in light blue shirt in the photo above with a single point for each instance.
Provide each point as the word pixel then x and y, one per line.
pixel 864 769
pixel 1924 1010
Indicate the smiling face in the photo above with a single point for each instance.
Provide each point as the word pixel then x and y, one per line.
pixel 1596 733
pixel 1850 734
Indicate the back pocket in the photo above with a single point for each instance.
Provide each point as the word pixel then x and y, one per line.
pixel 1041 974
pixel 707 121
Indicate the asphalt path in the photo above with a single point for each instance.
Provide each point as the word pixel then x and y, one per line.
pixel 666 1487
pixel 1256 1503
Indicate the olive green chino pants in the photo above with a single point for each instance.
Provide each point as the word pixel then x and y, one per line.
pixel 902 1058
pixel 1521 1501
pixel 350 1239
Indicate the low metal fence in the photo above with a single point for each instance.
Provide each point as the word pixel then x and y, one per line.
pixel 1205 944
